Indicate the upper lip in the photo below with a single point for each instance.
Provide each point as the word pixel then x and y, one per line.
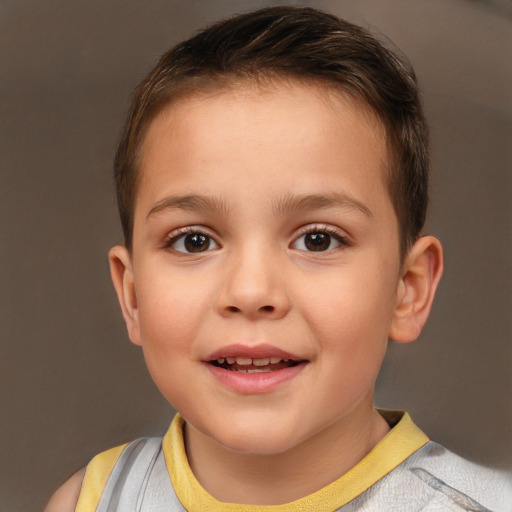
pixel 253 352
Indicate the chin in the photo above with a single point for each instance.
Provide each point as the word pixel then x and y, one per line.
pixel 259 441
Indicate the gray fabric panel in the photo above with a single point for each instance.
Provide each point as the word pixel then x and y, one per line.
pixel 140 481
pixel 110 495
pixel 435 480
pixel 159 495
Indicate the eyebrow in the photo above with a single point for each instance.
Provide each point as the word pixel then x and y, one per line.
pixel 291 203
pixel 189 202
pixel 282 205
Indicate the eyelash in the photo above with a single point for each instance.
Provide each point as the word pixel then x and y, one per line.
pixel 180 234
pixel 333 233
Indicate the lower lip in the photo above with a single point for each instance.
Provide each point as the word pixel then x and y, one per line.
pixel 255 383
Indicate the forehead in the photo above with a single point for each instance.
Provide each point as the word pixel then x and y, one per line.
pixel 308 130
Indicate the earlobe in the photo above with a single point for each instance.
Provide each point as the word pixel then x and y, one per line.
pixel 421 274
pixel 122 276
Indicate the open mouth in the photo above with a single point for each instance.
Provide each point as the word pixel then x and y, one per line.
pixel 250 365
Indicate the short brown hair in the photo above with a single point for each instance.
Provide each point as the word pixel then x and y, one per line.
pixel 305 44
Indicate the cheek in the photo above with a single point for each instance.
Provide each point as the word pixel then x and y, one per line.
pixel 353 343
pixel 350 306
pixel 170 311
pixel 168 324
pixel 350 318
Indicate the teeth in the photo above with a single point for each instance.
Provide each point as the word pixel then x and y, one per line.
pixel 243 361
pixel 253 370
pixel 247 361
pixel 261 362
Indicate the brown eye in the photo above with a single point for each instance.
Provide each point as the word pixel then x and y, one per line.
pixel 196 242
pixel 192 243
pixel 317 241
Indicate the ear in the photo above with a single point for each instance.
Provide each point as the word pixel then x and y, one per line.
pixel 122 276
pixel 421 274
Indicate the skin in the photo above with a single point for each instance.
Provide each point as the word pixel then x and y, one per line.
pixel 66 497
pixel 254 171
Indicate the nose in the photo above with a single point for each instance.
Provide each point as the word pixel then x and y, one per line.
pixel 253 287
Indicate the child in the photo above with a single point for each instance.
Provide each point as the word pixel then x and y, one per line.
pixel 272 187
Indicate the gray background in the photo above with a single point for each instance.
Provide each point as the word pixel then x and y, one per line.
pixel 71 382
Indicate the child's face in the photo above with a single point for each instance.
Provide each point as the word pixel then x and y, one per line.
pixel 264 230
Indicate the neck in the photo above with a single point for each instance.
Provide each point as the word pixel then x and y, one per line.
pixel 256 479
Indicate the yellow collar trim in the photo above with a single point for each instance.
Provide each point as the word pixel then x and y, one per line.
pixel 402 441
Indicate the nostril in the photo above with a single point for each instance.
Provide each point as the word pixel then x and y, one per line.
pixel 262 310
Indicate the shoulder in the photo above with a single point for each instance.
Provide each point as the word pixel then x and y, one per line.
pixel 86 484
pixel 66 496
pixel 458 479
